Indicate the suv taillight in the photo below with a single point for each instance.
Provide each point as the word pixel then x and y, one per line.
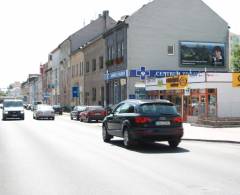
pixel 142 120
pixel 177 119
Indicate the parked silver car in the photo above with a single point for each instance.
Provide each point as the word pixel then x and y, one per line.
pixel 43 111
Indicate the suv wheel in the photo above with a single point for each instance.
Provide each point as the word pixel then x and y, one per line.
pixel 174 143
pixel 127 140
pixel 106 137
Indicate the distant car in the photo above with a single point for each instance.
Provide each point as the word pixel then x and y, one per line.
pixel 12 108
pixel 28 107
pixel 43 111
pixel 96 113
pixel 144 120
pixel 58 109
pixel 76 111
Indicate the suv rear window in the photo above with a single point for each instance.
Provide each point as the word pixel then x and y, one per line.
pixel 158 109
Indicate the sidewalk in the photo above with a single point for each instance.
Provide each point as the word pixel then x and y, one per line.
pixel 229 135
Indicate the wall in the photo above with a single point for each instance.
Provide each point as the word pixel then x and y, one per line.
pixel 94 79
pixel 77 59
pixel 228 100
pixel 162 23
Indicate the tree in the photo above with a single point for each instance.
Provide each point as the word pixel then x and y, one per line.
pixel 235 62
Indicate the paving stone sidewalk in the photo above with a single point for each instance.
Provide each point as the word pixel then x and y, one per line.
pixel 211 134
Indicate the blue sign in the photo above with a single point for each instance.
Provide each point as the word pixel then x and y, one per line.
pixel 115 75
pixel 132 96
pixel 143 73
pixel 75 92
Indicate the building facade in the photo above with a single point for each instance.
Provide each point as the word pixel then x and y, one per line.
pixel 77 81
pixel 71 45
pixel 94 84
pixel 163 39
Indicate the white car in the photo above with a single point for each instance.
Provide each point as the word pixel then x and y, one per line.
pixel 43 111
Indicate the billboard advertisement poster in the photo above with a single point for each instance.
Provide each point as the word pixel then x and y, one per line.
pixel 202 54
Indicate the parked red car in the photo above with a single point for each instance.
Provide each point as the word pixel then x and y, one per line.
pixel 92 113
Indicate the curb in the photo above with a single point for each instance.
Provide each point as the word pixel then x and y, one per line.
pixel 212 141
pixel 214 127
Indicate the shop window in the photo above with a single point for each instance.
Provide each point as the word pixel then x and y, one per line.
pixel 211 90
pixel 212 105
pixel 194 106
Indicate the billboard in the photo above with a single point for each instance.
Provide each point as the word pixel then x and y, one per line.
pixel 202 54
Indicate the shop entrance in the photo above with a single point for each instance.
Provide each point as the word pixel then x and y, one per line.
pixel 200 102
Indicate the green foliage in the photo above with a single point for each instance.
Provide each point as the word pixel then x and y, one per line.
pixel 235 62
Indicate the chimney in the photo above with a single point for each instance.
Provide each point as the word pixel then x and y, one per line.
pixel 105 15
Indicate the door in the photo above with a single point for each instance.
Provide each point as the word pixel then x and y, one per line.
pixel 202 105
pixel 111 120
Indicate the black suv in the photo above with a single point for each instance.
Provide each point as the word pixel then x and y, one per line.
pixel 144 120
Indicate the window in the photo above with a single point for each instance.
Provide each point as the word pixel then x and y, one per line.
pixel 118 50
pixel 127 108
pixel 112 53
pixel 94 94
pixel 94 67
pixel 109 53
pixel 76 74
pixel 171 50
pixel 87 67
pixel 158 108
pixel 122 49
pixel 102 95
pixel 101 62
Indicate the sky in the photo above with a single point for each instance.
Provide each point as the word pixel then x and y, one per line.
pixel 31 29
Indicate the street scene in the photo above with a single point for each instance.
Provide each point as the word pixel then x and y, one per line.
pixel 109 97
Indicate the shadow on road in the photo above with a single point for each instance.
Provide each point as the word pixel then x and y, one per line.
pixel 151 148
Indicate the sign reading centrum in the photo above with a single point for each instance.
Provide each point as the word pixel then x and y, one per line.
pixel 143 73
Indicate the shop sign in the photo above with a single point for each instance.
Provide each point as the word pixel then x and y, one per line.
pixel 236 79
pixel 219 77
pixel 177 82
pixel 143 73
pixel 115 75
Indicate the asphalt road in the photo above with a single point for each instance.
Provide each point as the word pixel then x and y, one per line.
pixel 65 157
